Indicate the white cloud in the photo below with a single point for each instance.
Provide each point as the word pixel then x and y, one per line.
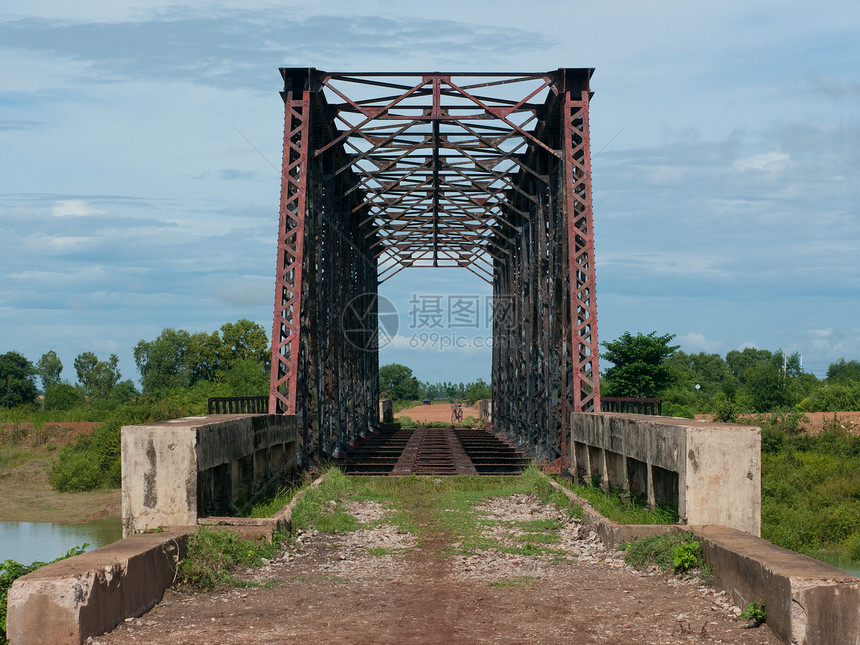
pixel 74 208
pixel 765 162
pixel 694 342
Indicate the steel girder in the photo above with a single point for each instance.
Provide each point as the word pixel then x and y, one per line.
pixel 485 171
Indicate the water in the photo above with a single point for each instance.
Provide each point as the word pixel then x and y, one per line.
pixel 27 542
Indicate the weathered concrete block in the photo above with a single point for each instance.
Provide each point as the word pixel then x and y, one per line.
pixel 808 602
pixel 175 471
pixel 485 410
pixel 710 471
pixel 71 600
pixel 386 411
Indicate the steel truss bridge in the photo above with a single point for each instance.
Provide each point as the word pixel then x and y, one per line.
pixel 489 172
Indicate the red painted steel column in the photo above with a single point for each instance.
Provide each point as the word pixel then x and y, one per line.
pixel 580 247
pixel 291 234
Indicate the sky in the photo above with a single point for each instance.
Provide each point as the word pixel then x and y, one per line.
pixel 140 146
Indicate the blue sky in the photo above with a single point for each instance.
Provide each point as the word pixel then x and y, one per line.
pixel 725 143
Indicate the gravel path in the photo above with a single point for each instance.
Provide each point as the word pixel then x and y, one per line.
pixel 380 584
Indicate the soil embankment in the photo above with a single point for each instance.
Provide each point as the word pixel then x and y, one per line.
pixel 814 422
pixel 26 455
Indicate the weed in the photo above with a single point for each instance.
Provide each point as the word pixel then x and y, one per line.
pixel 670 551
pixel 685 556
pixel 755 612
pixel 211 554
pixel 629 510
pixel 322 508
pixel 522 581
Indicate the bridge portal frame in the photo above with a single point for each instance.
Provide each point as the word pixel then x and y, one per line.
pixel 436 173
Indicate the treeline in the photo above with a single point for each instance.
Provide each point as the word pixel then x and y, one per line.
pixel 397 382
pixel 178 370
pixel 744 382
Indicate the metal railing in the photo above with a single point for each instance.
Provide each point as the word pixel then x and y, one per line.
pixel 630 405
pixel 238 405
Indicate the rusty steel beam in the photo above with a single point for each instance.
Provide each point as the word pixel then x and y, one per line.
pixel 490 172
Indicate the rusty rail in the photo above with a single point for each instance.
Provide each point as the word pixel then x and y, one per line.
pixel 238 404
pixel 631 405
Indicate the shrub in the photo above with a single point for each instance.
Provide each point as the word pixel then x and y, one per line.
pixel 63 396
pixel 671 551
pixel 75 470
pixel 211 554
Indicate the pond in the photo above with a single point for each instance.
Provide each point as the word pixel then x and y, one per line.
pixel 27 542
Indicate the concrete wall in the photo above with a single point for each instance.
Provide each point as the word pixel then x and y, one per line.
pixel 485 410
pixel 710 472
pixel 386 411
pixel 176 471
pixel 71 600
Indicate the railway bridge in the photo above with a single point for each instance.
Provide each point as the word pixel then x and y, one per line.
pixel 487 172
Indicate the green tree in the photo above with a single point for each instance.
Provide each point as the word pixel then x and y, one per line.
pixel 398 381
pixel 178 360
pixel 844 371
pixel 638 364
pixel 63 396
pixel 477 391
pixel 243 340
pixel 49 369
pixel 97 378
pixel 740 361
pixel 16 380
pixel 162 362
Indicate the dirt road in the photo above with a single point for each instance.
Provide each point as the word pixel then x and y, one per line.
pixel 381 584
pixel 434 412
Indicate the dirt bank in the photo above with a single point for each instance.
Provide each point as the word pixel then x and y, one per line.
pixel 814 421
pixel 26 455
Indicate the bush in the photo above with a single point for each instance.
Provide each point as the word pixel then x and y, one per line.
pixel 211 554
pixel 63 396
pixel 671 551
pixel 75 470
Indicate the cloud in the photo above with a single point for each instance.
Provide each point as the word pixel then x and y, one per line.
pixel 766 162
pixel 9 126
pixel 246 292
pixel 695 342
pixel 836 343
pixel 241 48
pixel 74 208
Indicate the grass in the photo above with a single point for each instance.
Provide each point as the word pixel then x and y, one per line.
pixel 624 511
pixel 212 554
pixel 667 552
pixel 522 581
pixel 440 510
pixel 811 492
pixel 268 505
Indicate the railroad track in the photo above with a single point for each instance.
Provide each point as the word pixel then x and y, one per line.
pixel 450 450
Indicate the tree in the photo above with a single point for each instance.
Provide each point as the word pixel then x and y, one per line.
pixel 740 361
pixel 638 368
pixel 243 340
pixel 97 378
pixel 63 396
pixel 177 359
pixel 162 362
pixel 477 391
pixel 49 369
pixel 845 371
pixel 16 380
pixel 398 381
